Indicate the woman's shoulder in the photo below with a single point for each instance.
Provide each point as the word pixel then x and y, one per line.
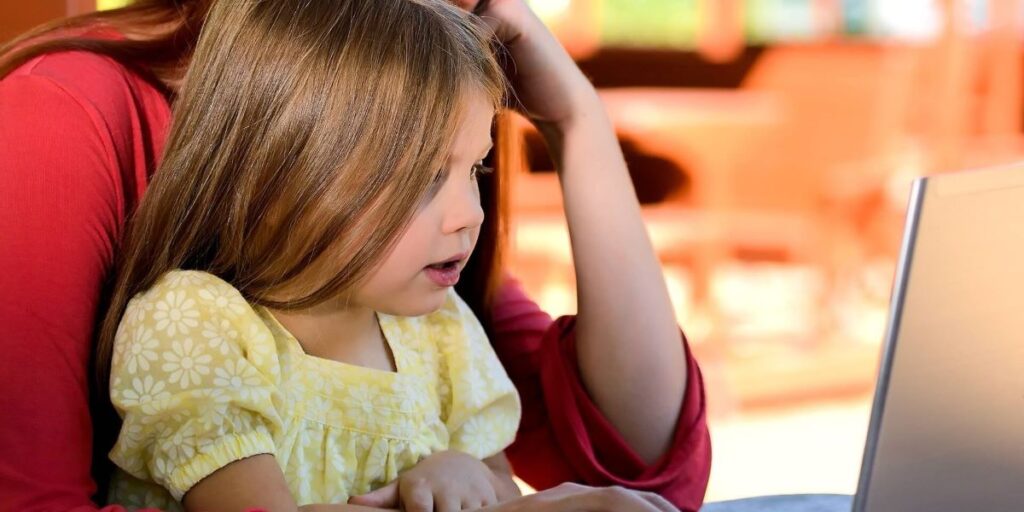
pixel 116 101
pixel 97 80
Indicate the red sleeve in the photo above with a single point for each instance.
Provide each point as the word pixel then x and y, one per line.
pixel 58 215
pixel 578 443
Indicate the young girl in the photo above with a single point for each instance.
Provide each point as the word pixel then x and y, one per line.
pixel 283 329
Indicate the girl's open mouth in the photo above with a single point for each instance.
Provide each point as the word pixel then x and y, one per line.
pixel 446 273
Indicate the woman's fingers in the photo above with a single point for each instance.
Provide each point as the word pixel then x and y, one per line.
pixel 473 6
pixel 620 499
pixel 481 6
pixel 658 501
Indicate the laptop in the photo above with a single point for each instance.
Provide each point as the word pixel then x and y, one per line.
pixel 947 426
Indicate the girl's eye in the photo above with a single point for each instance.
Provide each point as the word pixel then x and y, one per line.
pixel 436 183
pixel 480 169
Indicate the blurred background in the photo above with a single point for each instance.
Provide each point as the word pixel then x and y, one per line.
pixel 772 144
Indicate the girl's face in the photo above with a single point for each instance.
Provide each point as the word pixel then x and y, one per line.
pixel 427 259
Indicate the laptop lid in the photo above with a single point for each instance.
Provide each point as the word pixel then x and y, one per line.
pixel 947 426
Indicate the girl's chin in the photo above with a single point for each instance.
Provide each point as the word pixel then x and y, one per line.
pixel 418 304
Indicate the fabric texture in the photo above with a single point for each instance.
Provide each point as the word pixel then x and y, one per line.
pixel 203 379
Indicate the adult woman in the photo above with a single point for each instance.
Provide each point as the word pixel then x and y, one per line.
pixel 65 204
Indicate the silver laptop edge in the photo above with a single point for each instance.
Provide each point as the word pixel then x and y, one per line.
pixel 899 292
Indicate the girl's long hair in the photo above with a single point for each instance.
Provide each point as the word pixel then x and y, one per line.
pixel 305 135
pixel 304 138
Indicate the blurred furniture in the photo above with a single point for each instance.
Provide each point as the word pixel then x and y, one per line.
pixel 17 17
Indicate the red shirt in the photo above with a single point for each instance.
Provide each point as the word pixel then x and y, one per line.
pixel 80 135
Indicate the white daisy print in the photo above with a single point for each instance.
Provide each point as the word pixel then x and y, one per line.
pixel 259 343
pixel 135 313
pixel 144 390
pixel 223 299
pixel 119 342
pixel 186 363
pixel 185 279
pixel 238 377
pixel 405 397
pixel 220 335
pixel 176 314
pixel 473 387
pixel 304 478
pixel 213 419
pixel 161 467
pixel 476 436
pixel 131 434
pixel 141 351
pixel 181 447
pixel 360 398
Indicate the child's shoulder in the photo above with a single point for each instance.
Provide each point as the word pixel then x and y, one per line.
pixel 178 289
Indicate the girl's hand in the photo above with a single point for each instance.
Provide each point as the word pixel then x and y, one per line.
pixel 447 481
pixel 550 87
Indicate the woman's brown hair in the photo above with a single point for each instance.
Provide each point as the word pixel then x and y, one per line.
pixel 153 37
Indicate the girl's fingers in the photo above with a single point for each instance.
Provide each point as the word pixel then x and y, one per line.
pixel 417 498
pixel 385 497
pixel 447 503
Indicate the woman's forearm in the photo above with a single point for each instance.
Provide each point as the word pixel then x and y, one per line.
pixel 630 352
pixel 629 346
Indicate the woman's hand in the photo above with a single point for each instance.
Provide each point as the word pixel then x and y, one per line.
pixel 446 481
pixel 579 498
pixel 550 87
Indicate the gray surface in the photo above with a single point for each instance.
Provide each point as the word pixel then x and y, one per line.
pixel 946 427
pixel 796 503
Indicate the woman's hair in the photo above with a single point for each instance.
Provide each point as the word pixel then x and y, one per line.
pixel 153 37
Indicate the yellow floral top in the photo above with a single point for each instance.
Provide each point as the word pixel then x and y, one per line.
pixel 202 379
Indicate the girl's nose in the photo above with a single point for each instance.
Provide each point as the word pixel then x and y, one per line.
pixel 464 211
